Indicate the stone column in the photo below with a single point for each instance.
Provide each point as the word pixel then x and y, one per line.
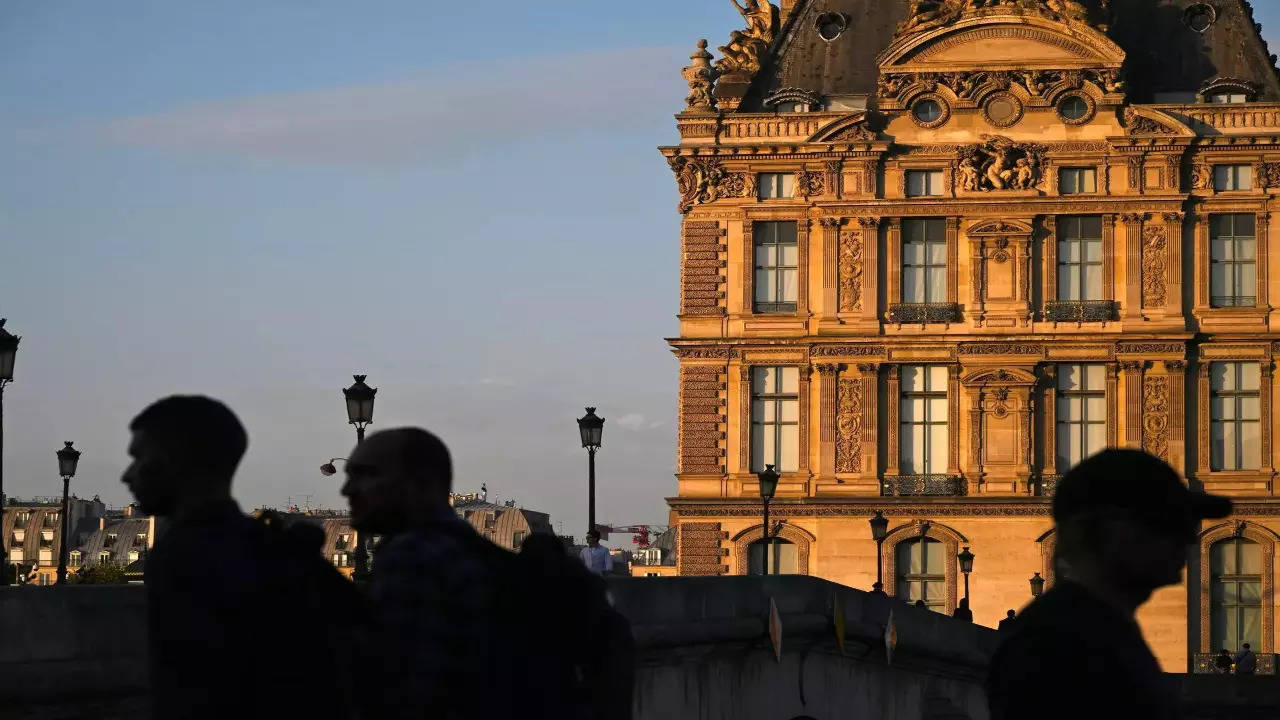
pixel 802 273
pixel 1050 405
pixel 744 418
pixel 1263 241
pixel 1108 257
pixel 870 469
pixel 1113 399
pixel 891 399
pixel 976 286
pixel 827 378
pixel 953 419
pixel 1173 225
pixel 1050 224
pixel 1177 370
pixel 953 259
pixel 805 450
pixel 1131 308
pixel 1132 370
pixel 830 266
pixel 748 267
pixel 893 260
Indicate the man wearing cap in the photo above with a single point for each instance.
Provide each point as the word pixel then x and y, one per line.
pixel 1124 520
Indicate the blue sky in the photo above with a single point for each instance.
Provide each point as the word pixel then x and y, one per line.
pixel 256 200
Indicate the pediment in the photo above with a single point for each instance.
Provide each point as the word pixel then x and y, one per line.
pixel 853 127
pixel 998 376
pixel 1000 42
pixel 1000 227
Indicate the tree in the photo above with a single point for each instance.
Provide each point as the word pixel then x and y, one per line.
pixel 105 573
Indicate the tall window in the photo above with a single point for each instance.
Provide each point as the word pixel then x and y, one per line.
pixel 920 566
pixel 777 263
pixel 15 555
pixel 1235 605
pixel 923 419
pixel 1080 258
pixel 1082 413
pixel 1232 177
pixel 1235 413
pixel 775 418
pixel 1072 181
pixel 1233 277
pixel 104 557
pixel 924 260
pixel 783 557
pixel 73 558
pixel 46 556
pixel 924 183
pixel 770 186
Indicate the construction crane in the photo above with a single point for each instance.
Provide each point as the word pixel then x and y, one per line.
pixel 641 533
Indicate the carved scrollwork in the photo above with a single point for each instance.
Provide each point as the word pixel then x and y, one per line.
pixel 847 350
pixel 809 183
pixel 849 426
pixel 1155 416
pixel 999 163
pixel 1269 175
pixel 852 268
pixel 1155 264
pixel 738 185
pixel 1136 124
pixel 699 181
pixel 1201 177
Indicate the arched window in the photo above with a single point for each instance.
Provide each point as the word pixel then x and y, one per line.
pixel 783 560
pixel 921 570
pixel 1235 605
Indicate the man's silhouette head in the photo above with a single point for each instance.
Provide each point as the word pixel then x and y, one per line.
pixel 396 479
pixel 1124 521
pixel 185 450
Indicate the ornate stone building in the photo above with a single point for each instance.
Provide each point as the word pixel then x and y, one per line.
pixel 934 252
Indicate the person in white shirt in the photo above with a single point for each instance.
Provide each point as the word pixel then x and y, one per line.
pixel 596 556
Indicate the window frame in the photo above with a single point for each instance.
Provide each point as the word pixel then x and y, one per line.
pixel 903 578
pixel 1236 175
pixel 779 305
pixel 1238 579
pixel 775 182
pixel 1237 395
pixel 928 175
pixel 1239 269
pixel 925 270
pixel 929 424
pixel 1081 267
pixel 1081 172
pixel 779 398
pixel 1063 397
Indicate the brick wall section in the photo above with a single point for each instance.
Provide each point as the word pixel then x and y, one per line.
pixel 703 263
pixel 703 419
pixel 700 551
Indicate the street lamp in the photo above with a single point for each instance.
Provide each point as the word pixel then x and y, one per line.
pixel 8 352
pixel 591 427
pixel 68 458
pixel 1037 585
pixel 879 530
pixel 359 413
pixel 768 486
pixel 360 405
pixel 966 566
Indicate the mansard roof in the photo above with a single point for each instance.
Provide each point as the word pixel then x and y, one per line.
pixel 1163 54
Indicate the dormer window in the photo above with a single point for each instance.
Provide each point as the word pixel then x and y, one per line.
pixel 1227 91
pixel 104 557
pixel 1227 98
pixel 112 537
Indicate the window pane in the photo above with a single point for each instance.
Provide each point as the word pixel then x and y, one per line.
pixel 912 378
pixel 1250 408
pixel 937 253
pixel 1097 436
pixel 790 377
pixel 787 279
pixel 1250 446
pixel 903 559
pixel 1243 177
pixel 1250 627
pixel 1246 282
pixel 1250 558
pixel 1230 447
pixel 937 285
pixel 1093 250
pixel 766 288
pixel 915 183
pixel 938 410
pixel 1217 447
pixel 934 593
pixel 1222 376
pixel 1068 284
pixel 784 558
pixel 1096 408
pixel 789 457
pixel 1093 283
pixel 787 184
pixel 913 230
pixel 1222 408
pixel 1250 376
pixel 933 551
pixel 1069 251
pixel 912 460
pixel 1089 181
pixel 1222 177
pixel 1250 592
pixel 937 450
pixel 913 285
pixel 1246 248
pixel 758 456
pixel 790 411
pixel 1070 377
pixel 1220 283
pixel 1068 445
pixel 938 378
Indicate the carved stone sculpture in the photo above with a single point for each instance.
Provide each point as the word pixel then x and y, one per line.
pixel 928 14
pixel 1141 125
pixel 699 181
pixel 1201 177
pixel 999 163
pixel 1155 416
pixel 701 78
pixel 745 49
pixel 852 261
pixel 1155 263
pixel 849 426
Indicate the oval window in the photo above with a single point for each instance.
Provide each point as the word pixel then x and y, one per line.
pixel 1074 108
pixel 831 26
pixel 927 111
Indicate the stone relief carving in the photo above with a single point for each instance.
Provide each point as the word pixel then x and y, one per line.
pixel 1155 416
pixel 810 183
pixel 698 180
pixel 746 47
pixel 849 426
pixel 1000 349
pixel 928 14
pixel 976 84
pixel 701 78
pixel 1150 348
pixel 847 350
pixel 1269 174
pixel 1137 124
pixel 1201 177
pixel 852 263
pixel 738 185
pixel 1155 264
pixel 999 163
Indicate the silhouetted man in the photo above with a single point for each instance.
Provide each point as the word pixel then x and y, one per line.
pixel 231 630
pixel 1124 521
pixel 962 611
pixel 1007 623
pixel 433 586
pixel 595 556
pixel 1246 661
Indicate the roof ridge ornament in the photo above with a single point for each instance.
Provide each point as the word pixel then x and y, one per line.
pixel 746 47
pixel 929 14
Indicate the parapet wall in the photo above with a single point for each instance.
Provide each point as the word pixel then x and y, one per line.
pixel 704 652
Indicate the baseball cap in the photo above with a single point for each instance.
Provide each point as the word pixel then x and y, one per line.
pixel 1137 482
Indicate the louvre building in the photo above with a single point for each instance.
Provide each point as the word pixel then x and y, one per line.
pixel 934 252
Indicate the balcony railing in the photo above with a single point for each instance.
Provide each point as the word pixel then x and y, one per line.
pixel 1205 665
pixel 923 486
pixel 1232 301
pixel 924 313
pixel 1079 310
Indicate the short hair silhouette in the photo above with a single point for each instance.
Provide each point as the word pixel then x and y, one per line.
pixel 1245 646
pixel 202 430
pixel 419 450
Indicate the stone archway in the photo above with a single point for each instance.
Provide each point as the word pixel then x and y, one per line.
pixel 951 540
pixel 802 539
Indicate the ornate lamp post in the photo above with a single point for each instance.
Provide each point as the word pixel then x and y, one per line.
pixel 966 566
pixel 1037 585
pixel 768 486
pixel 879 529
pixel 359 413
pixel 8 352
pixel 68 458
pixel 591 427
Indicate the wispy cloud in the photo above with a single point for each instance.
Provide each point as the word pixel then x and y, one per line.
pixel 633 421
pixel 430 117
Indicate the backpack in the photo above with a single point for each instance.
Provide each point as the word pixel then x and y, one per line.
pixel 564 651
